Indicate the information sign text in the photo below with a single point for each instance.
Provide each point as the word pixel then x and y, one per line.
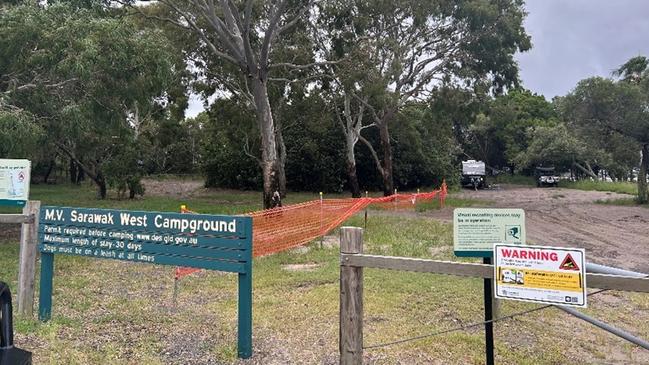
pixel 476 230
pixel 202 241
pixel 540 274
pixel 14 181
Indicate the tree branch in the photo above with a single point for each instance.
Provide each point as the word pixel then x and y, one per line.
pixel 32 85
pixel 340 120
pixel 291 23
pixel 73 156
pixel 588 172
pixel 292 81
pixel 149 16
pixel 377 161
pixel 242 39
pixel 246 150
pixel 236 60
pixel 302 67
pixel 225 31
pixel 270 33
pixel 378 120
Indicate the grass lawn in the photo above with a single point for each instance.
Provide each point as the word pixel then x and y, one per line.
pixel 112 312
pixel 451 201
pixel 512 179
pixel 631 202
pixel 616 187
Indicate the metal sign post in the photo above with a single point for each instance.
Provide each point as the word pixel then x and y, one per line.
pixel 488 317
pixel 475 232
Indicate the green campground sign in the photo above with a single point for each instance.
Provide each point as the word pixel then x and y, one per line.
pixel 212 242
pixel 14 181
pixel 476 230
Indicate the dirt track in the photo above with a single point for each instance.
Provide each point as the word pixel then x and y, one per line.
pixel 612 235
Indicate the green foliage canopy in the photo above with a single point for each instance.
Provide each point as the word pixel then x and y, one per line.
pixel 85 75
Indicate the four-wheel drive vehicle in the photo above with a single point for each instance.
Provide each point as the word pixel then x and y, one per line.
pixel 473 174
pixel 546 176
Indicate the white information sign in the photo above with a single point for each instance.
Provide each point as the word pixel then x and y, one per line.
pixel 540 274
pixel 476 230
pixel 14 181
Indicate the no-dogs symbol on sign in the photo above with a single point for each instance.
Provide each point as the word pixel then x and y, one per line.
pixel 540 274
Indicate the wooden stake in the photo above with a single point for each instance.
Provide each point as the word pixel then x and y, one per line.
pixel 27 259
pixel 351 299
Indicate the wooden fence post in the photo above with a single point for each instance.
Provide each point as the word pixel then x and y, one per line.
pixel 27 259
pixel 351 299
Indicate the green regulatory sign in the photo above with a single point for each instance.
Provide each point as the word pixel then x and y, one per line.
pixel 211 242
pixel 476 230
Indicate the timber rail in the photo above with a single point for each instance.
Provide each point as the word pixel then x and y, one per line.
pixel 352 262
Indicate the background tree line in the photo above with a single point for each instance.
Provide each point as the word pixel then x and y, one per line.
pixel 305 95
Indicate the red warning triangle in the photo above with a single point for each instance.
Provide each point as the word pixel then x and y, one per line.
pixel 569 264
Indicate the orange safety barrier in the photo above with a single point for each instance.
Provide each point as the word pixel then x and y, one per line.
pixel 282 228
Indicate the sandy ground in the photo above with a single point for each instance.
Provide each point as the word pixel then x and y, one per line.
pixel 173 187
pixel 612 235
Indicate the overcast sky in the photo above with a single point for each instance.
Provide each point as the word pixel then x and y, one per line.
pixel 575 39
pixel 571 40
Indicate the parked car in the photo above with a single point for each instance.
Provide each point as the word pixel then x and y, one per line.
pixel 546 176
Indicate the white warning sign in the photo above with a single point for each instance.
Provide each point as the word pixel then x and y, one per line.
pixel 540 274
pixel 14 181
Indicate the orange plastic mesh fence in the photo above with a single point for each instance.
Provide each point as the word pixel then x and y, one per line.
pixel 278 229
pixel 405 201
pixel 282 228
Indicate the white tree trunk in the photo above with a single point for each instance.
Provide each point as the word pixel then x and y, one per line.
pixel 269 157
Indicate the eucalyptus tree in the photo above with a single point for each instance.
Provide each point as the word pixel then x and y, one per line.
pixel 636 72
pixel 20 135
pixel 514 117
pixel 404 49
pixel 556 145
pixel 85 75
pixel 234 45
pixel 350 119
pixel 601 108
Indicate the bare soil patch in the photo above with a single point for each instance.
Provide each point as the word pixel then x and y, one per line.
pixel 301 267
pixel 612 235
pixel 9 232
pixel 131 311
pixel 173 188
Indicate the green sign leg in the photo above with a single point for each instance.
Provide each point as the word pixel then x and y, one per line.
pixel 47 273
pixel 245 314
